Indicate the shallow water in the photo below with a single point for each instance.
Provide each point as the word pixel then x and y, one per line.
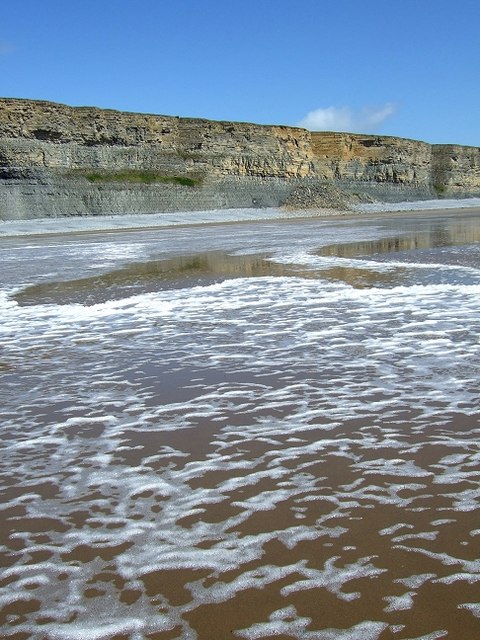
pixel 289 453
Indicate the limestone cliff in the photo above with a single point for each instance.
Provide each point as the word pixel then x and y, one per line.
pixel 380 165
pixel 51 136
pixel 456 170
pixel 387 167
pixel 60 160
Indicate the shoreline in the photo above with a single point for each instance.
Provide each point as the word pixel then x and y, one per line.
pixel 150 221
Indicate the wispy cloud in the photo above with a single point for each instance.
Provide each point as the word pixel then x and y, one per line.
pixel 344 119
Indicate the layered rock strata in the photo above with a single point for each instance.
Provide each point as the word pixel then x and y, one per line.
pixel 390 168
pixel 456 170
pixel 384 167
pixel 60 160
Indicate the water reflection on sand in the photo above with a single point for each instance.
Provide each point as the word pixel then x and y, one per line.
pixel 212 266
pixel 193 454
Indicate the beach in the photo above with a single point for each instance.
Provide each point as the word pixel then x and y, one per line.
pixel 66 224
pixel 247 424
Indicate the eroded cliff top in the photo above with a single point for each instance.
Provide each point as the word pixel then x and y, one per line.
pixel 55 122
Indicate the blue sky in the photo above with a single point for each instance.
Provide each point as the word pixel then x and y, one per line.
pixel 409 68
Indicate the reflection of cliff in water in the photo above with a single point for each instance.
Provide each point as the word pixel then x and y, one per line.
pixel 437 235
pixel 181 271
pixel 189 271
pixel 446 242
pixel 201 269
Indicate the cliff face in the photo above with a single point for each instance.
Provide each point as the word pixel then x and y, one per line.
pixel 380 165
pixel 392 168
pixel 456 170
pixel 50 153
pixel 45 135
pixel 60 160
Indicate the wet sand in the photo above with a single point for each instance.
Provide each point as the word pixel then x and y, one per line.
pixel 265 455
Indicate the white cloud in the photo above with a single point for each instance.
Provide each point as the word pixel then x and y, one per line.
pixel 344 119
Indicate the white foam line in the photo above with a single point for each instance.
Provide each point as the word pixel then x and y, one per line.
pixel 473 607
pixel 471 567
pixel 334 578
pixel 287 622
pixel 399 603
pixel 416 581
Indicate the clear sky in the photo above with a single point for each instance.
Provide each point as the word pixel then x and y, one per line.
pixel 409 68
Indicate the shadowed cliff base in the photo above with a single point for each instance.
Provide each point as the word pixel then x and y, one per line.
pixel 57 160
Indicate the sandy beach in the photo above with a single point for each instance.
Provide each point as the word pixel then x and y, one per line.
pixel 218 216
pixel 249 430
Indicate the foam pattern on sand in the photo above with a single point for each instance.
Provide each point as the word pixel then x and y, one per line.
pixel 278 455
